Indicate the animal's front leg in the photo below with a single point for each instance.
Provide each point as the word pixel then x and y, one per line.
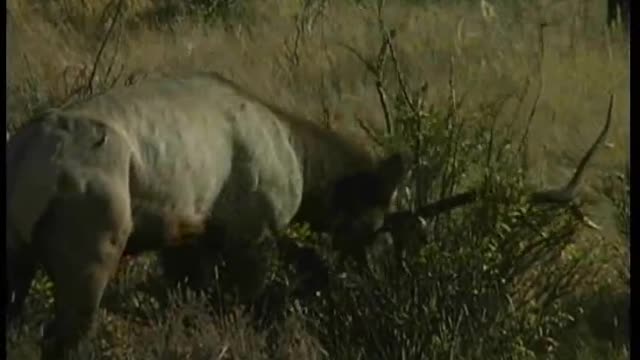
pixel 81 240
pixel 79 285
pixel 80 277
pixel 21 268
pixel 248 260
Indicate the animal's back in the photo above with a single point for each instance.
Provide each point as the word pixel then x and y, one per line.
pixel 202 147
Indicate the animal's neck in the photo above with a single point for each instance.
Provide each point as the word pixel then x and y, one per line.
pixel 325 156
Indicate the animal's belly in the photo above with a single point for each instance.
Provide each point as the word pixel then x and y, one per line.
pixel 173 193
pixel 156 228
pixel 245 177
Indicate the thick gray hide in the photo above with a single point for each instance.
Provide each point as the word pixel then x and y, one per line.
pixel 200 149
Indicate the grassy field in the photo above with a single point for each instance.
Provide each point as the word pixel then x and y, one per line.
pixel 493 64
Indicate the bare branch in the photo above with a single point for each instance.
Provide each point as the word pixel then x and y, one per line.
pixel 103 45
pixel 382 95
pixel 567 193
pixel 385 108
pixel 388 37
pixel 524 142
pixel 364 61
pixel 532 112
pixel 564 195
pixel 378 71
pixel 370 132
pixel 448 204
pixel 431 210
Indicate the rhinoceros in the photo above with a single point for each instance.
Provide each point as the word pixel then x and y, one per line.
pixel 172 164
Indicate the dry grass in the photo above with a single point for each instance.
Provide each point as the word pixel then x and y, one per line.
pixel 54 42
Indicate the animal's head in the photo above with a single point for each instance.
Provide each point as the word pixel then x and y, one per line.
pixel 359 203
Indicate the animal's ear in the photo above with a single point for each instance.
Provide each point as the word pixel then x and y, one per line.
pixel 391 170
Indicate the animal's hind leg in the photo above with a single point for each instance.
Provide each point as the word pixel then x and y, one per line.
pixel 81 240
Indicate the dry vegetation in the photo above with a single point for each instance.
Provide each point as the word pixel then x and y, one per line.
pixel 484 70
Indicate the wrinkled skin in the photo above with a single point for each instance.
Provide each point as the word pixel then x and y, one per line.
pixel 188 167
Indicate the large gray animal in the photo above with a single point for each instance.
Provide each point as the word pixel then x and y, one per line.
pixel 172 164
